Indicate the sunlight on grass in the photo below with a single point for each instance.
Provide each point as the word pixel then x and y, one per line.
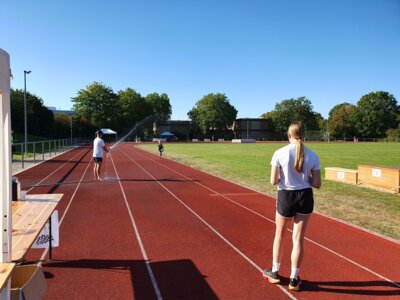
pixel 249 165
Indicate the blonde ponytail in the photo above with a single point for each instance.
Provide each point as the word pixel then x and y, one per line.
pixel 298 163
pixel 296 130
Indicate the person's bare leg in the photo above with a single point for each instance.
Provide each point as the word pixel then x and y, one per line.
pixel 277 251
pixel 99 171
pixel 95 171
pixel 299 229
pixel 280 230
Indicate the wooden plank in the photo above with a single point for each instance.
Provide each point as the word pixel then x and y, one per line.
pixel 341 169
pixel 381 177
pixel 28 218
pixel 342 175
pixel 5 272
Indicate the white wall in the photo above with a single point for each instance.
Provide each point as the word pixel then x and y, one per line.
pixel 5 156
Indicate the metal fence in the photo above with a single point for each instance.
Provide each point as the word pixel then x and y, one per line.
pixel 38 151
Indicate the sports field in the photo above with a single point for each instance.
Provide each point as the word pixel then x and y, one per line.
pixel 248 164
pixel 158 229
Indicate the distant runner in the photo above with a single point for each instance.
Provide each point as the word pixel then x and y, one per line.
pixel 160 147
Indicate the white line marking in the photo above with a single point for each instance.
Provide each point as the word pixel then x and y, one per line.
pixel 212 228
pixel 260 215
pixel 149 270
pixel 54 170
pixel 67 208
pixel 272 196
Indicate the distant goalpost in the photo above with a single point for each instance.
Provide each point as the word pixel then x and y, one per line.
pixel 317 136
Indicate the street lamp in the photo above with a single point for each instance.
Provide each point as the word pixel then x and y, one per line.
pixel 25 113
pixel 71 126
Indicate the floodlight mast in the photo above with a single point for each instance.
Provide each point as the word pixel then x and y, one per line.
pixel 25 113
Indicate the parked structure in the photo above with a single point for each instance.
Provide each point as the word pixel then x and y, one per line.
pixel 244 128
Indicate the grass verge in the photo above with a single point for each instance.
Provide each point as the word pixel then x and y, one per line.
pixel 249 165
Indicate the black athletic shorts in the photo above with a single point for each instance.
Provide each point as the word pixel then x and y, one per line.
pixel 294 202
pixel 97 159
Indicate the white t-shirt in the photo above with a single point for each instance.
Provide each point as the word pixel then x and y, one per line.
pixel 284 158
pixel 98 145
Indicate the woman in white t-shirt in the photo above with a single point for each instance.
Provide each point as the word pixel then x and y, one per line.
pixel 295 169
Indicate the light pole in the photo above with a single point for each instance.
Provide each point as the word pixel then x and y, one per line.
pixel 71 127
pixel 25 113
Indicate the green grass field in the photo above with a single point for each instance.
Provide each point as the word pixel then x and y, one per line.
pixel 249 165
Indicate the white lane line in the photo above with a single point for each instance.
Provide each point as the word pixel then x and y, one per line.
pixel 209 226
pixel 272 196
pixel 146 259
pixel 270 220
pixel 67 208
pixel 54 171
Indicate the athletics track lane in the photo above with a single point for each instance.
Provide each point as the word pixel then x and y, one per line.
pixel 169 253
pixel 188 259
pixel 331 270
pixel 98 257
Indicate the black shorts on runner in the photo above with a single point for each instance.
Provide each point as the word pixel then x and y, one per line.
pixel 294 202
pixel 97 159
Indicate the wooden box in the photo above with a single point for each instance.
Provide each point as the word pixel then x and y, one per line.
pixel 381 177
pixel 342 175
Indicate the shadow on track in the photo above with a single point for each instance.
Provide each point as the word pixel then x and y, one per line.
pixel 352 287
pixel 176 279
pixel 57 184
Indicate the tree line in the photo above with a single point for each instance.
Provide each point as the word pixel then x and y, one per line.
pixel 376 114
pixel 95 106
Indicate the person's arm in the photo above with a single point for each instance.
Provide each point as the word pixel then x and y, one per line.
pixel 315 178
pixel 275 175
pixel 105 148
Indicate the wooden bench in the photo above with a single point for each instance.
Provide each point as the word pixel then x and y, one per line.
pixel 381 177
pixel 28 218
pixel 342 175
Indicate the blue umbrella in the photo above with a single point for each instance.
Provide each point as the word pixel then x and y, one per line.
pixel 167 133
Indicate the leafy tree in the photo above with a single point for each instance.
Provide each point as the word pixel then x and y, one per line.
pixel 322 123
pixel 290 110
pixel 40 119
pixel 160 108
pixel 97 104
pixel 213 112
pixel 82 127
pixel 62 126
pixel 393 135
pixel 341 121
pixel 375 113
pixel 133 107
pixel 267 115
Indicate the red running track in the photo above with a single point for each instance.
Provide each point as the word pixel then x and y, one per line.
pixel 168 231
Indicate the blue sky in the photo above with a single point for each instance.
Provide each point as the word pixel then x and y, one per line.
pixel 256 52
